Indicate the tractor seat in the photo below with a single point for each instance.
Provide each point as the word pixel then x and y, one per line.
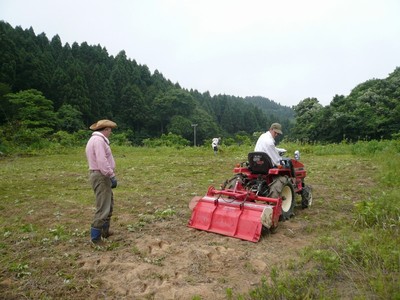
pixel 259 162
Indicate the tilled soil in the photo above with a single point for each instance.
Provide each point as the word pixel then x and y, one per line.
pixel 173 261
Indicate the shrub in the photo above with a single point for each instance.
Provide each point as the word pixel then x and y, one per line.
pixel 120 139
pixel 64 138
pixel 169 140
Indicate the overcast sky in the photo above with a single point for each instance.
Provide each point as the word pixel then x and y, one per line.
pixel 284 50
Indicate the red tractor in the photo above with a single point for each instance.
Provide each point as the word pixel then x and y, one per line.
pixel 259 195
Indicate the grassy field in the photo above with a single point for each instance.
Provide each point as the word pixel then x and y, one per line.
pixel 345 246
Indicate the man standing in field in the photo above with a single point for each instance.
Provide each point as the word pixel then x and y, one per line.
pixel 102 178
pixel 215 144
pixel 266 143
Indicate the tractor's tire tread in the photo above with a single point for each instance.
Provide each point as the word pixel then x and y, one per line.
pixel 276 188
pixel 230 184
pixel 306 197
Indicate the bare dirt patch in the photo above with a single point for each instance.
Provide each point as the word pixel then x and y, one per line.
pixel 172 261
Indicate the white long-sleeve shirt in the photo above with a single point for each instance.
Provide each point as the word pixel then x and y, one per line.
pixel 215 142
pixel 266 143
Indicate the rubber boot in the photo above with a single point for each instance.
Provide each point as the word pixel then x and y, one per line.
pixel 105 231
pixel 95 235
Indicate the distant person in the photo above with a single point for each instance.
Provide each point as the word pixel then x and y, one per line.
pixel 266 143
pixel 215 144
pixel 102 178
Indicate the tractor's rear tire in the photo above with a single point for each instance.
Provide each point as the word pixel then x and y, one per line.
pixel 237 179
pixel 282 187
pixel 273 229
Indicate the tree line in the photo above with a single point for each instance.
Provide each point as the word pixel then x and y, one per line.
pixel 370 112
pixel 46 87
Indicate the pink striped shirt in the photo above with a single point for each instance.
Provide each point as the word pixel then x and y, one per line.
pixel 99 156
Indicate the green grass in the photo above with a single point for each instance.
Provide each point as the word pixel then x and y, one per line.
pixel 357 255
pixel 46 208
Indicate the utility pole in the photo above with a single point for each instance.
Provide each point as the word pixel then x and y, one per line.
pixel 194 133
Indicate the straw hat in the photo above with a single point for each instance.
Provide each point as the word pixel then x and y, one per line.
pixel 103 124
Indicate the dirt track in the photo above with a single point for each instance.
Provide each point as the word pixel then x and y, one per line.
pixel 168 260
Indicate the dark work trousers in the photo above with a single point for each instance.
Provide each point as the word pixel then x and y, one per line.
pixel 101 186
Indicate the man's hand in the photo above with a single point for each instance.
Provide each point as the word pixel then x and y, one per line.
pixel 113 182
pixel 281 151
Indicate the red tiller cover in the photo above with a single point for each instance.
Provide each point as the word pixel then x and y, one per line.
pixel 229 217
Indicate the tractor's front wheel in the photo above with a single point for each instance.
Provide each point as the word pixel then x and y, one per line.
pixel 282 187
pixel 306 196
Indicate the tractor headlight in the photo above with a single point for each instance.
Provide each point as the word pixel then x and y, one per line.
pixel 297 155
